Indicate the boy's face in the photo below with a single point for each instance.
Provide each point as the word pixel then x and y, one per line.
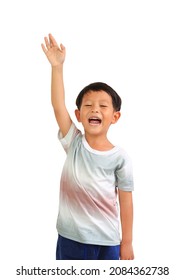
pixel 97 113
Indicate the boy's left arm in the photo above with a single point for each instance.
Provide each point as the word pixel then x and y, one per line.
pixel 126 215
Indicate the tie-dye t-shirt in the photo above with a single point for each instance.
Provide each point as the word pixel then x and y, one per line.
pixel 88 209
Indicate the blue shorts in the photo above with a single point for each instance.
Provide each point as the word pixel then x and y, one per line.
pixel 71 250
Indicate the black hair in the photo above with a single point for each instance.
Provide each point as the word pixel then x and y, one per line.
pixel 98 86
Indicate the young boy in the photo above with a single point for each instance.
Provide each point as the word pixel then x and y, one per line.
pixel 94 173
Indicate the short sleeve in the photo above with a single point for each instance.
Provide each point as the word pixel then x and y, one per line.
pixel 124 174
pixel 70 136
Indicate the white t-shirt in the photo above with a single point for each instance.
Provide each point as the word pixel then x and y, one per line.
pixel 88 210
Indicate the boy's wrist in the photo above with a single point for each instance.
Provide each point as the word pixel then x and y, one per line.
pixel 126 242
pixel 57 66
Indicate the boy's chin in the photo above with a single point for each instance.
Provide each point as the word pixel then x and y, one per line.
pixel 95 131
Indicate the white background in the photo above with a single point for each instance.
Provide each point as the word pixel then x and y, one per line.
pixel 138 48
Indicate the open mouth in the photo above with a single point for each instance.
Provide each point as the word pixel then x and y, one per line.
pixel 95 121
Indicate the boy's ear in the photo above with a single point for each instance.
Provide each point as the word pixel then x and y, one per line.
pixel 116 117
pixel 77 114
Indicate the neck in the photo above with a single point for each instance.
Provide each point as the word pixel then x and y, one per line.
pixel 98 142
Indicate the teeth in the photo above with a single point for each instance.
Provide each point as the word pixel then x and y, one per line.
pixel 94 120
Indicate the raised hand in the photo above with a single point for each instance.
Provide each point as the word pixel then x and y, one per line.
pixel 54 53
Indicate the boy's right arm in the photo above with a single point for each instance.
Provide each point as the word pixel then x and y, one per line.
pixel 56 57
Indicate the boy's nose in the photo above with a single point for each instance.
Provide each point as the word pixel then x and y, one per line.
pixel 95 109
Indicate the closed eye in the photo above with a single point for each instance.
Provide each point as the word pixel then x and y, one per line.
pixel 103 106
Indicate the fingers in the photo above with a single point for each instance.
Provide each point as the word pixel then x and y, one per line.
pixel 62 47
pixel 44 48
pixel 48 43
pixel 52 40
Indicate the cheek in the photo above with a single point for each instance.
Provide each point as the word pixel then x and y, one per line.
pixel 108 117
pixel 81 117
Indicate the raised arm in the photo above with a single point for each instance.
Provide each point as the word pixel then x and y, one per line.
pixel 56 56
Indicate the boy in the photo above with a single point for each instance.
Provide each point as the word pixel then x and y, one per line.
pixel 94 173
